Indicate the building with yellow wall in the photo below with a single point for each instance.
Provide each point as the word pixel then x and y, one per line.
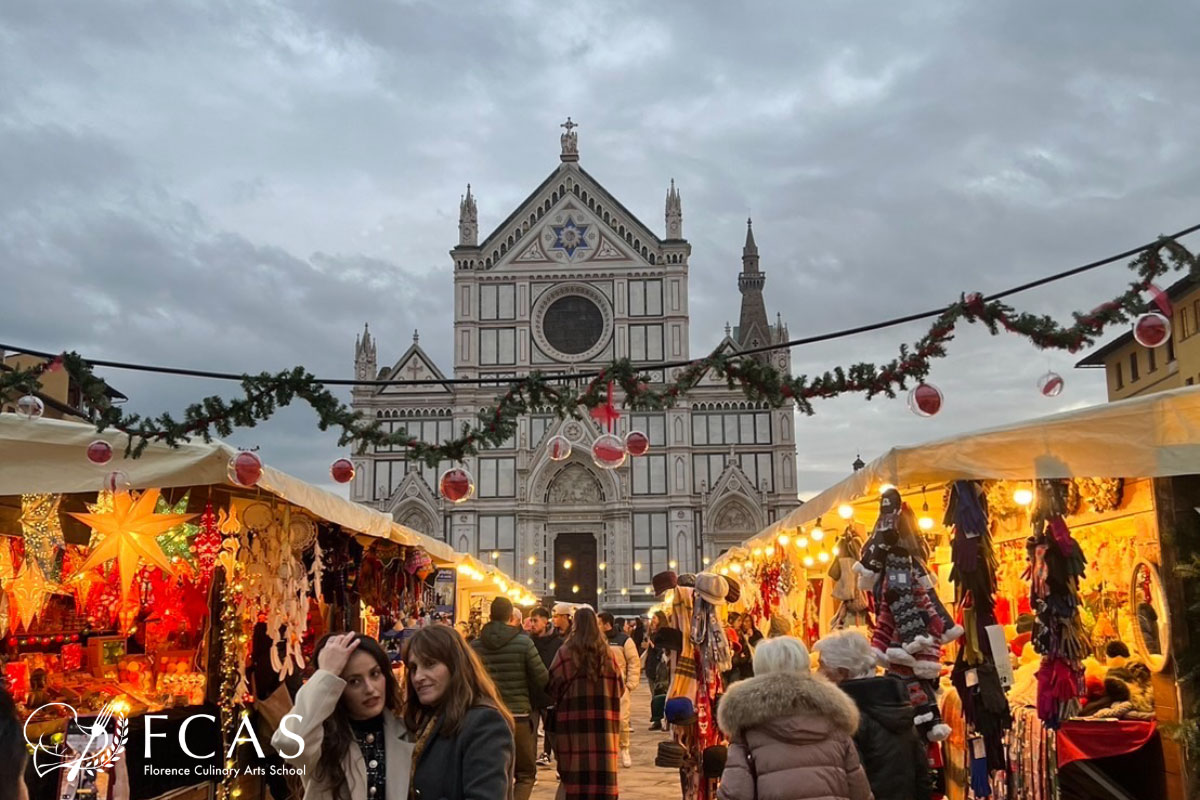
pixel 59 394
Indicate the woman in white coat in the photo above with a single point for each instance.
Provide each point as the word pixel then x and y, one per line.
pixel 349 720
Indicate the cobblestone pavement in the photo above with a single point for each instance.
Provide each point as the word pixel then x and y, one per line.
pixel 642 781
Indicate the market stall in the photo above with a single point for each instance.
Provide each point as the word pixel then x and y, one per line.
pixel 190 583
pixel 1053 547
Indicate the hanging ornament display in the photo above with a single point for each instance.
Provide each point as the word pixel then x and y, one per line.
pixel 29 592
pixel 128 535
pixel 457 485
pixel 925 400
pixel 99 452
pixel 558 447
pixel 637 443
pixel 31 407
pixel 1051 384
pixel 177 542
pixel 342 470
pixel 116 482
pixel 43 531
pixel 1152 329
pixel 245 468
pixel 608 451
pixel 206 544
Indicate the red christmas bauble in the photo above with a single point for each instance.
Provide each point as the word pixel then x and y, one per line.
pixel 558 447
pixel 608 452
pixel 1051 384
pixel 58 639
pixel 74 637
pixel 245 468
pixel 456 485
pixel 117 481
pixel 1152 329
pixel 45 640
pixel 99 452
pixel 12 641
pixel 637 443
pixel 342 470
pixel 925 400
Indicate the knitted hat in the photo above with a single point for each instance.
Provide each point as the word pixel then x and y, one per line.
pixel 664 582
pixel 735 590
pixel 713 760
pixel 680 711
pixel 669 639
pixel 712 588
pixel 687 579
pixel 670 755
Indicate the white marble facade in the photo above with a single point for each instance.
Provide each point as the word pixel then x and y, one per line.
pixel 570 280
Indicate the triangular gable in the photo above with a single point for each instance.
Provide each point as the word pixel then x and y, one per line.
pixel 728 347
pixel 615 238
pixel 570 235
pixel 412 491
pixel 414 365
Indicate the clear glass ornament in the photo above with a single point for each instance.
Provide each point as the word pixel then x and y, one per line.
pixel 1051 384
pixel 925 400
pixel 558 447
pixel 608 451
pixel 456 485
pixel 31 407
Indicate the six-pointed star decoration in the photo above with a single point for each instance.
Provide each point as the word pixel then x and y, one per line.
pixel 570 237
pixel 127 533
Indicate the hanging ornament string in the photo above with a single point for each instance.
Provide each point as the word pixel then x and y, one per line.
pixel 760 381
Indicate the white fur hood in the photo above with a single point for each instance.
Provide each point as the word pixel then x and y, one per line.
pixel 768 698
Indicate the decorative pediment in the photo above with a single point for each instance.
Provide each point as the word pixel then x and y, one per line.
pixel 733 481
pixel 414 365
pixel 413 499
pixel 575 485
pixel 568 220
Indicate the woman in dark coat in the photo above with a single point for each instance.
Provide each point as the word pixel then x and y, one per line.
pixel 586 686
pixel 464 734
pixel 891 752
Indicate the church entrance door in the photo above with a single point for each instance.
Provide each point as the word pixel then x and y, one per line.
pixel 575 575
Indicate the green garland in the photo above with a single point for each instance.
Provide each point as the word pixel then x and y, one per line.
pixel 265 393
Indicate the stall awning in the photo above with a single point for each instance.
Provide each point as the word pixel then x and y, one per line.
pixel 1144 437
pixel 48 456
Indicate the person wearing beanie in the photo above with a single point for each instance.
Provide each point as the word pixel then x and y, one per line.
pixel 790 732
pixel 512 660
pixel 891 752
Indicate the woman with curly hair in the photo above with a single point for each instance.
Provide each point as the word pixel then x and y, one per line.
pixel 586 686
pixel 350 724
pixel 464 734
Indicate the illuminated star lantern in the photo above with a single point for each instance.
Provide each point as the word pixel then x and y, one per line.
pixel 43 532
pixel 128 535
pixel 29 591
pixel 7 573
pixel 570 237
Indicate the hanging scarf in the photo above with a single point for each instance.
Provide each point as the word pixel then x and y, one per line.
pixel 683 677
pixel 708 634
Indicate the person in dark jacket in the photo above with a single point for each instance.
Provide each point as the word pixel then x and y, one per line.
pixel 463 748
pixel 512 660
pixel 657 666
pixel 891 752
pixel 547 640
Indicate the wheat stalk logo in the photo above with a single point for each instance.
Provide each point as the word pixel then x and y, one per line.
pixel 48 757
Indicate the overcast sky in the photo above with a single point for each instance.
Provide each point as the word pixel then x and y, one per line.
pixel 239 186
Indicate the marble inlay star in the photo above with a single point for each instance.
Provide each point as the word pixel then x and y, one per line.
pixel 570 237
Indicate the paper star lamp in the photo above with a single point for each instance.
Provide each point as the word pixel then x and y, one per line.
pixel 28 592
pixel 43 531
pixel 128 534
pixel 177 542
pixel 7 573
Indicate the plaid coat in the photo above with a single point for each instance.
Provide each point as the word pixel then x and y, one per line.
pixel 587 719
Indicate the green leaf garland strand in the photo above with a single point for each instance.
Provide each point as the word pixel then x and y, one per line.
pixel 265 393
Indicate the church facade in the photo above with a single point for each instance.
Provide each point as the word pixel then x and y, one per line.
pixel 568 282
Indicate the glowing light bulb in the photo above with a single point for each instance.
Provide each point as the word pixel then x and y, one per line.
pixel 603 565
pixel 817 534
pixel 737 568
pixel 575 589
pixel 808 561
pixel 837 550
pixel 724 570
pixel 531 560
pixel 783 540
pixel 649 590
pixel 1023 497
pixel 553 586
pixel 823 557
pixel 846 511
pixel 529 582
pixel 495 555
pixel 672 564
pixel 637 565
pixel 758 551
pixel 599 591
pixel 624 590
pixel 770 550
pixel 802 542
pixel 704 561
pixel 567 564
pixel 925 523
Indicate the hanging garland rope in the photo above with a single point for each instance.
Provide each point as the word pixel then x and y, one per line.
pixel 266 393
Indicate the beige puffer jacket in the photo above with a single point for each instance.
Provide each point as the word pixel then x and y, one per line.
pixel 794 732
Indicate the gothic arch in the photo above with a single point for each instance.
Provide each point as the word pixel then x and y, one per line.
pixel 679 432
pixel 680 474
pixel 735 516
pixel 574 484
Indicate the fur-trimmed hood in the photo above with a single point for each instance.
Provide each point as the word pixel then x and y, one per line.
pixel 782 696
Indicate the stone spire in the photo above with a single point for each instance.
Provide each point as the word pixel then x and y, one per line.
pixel 674 213
pixel 468 220
pixel 570 141
pixel 753 328
pixel 364 356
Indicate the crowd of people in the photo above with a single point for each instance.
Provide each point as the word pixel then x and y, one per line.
pixel 461 719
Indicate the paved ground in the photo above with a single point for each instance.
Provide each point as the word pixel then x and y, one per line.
pixel 643 780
